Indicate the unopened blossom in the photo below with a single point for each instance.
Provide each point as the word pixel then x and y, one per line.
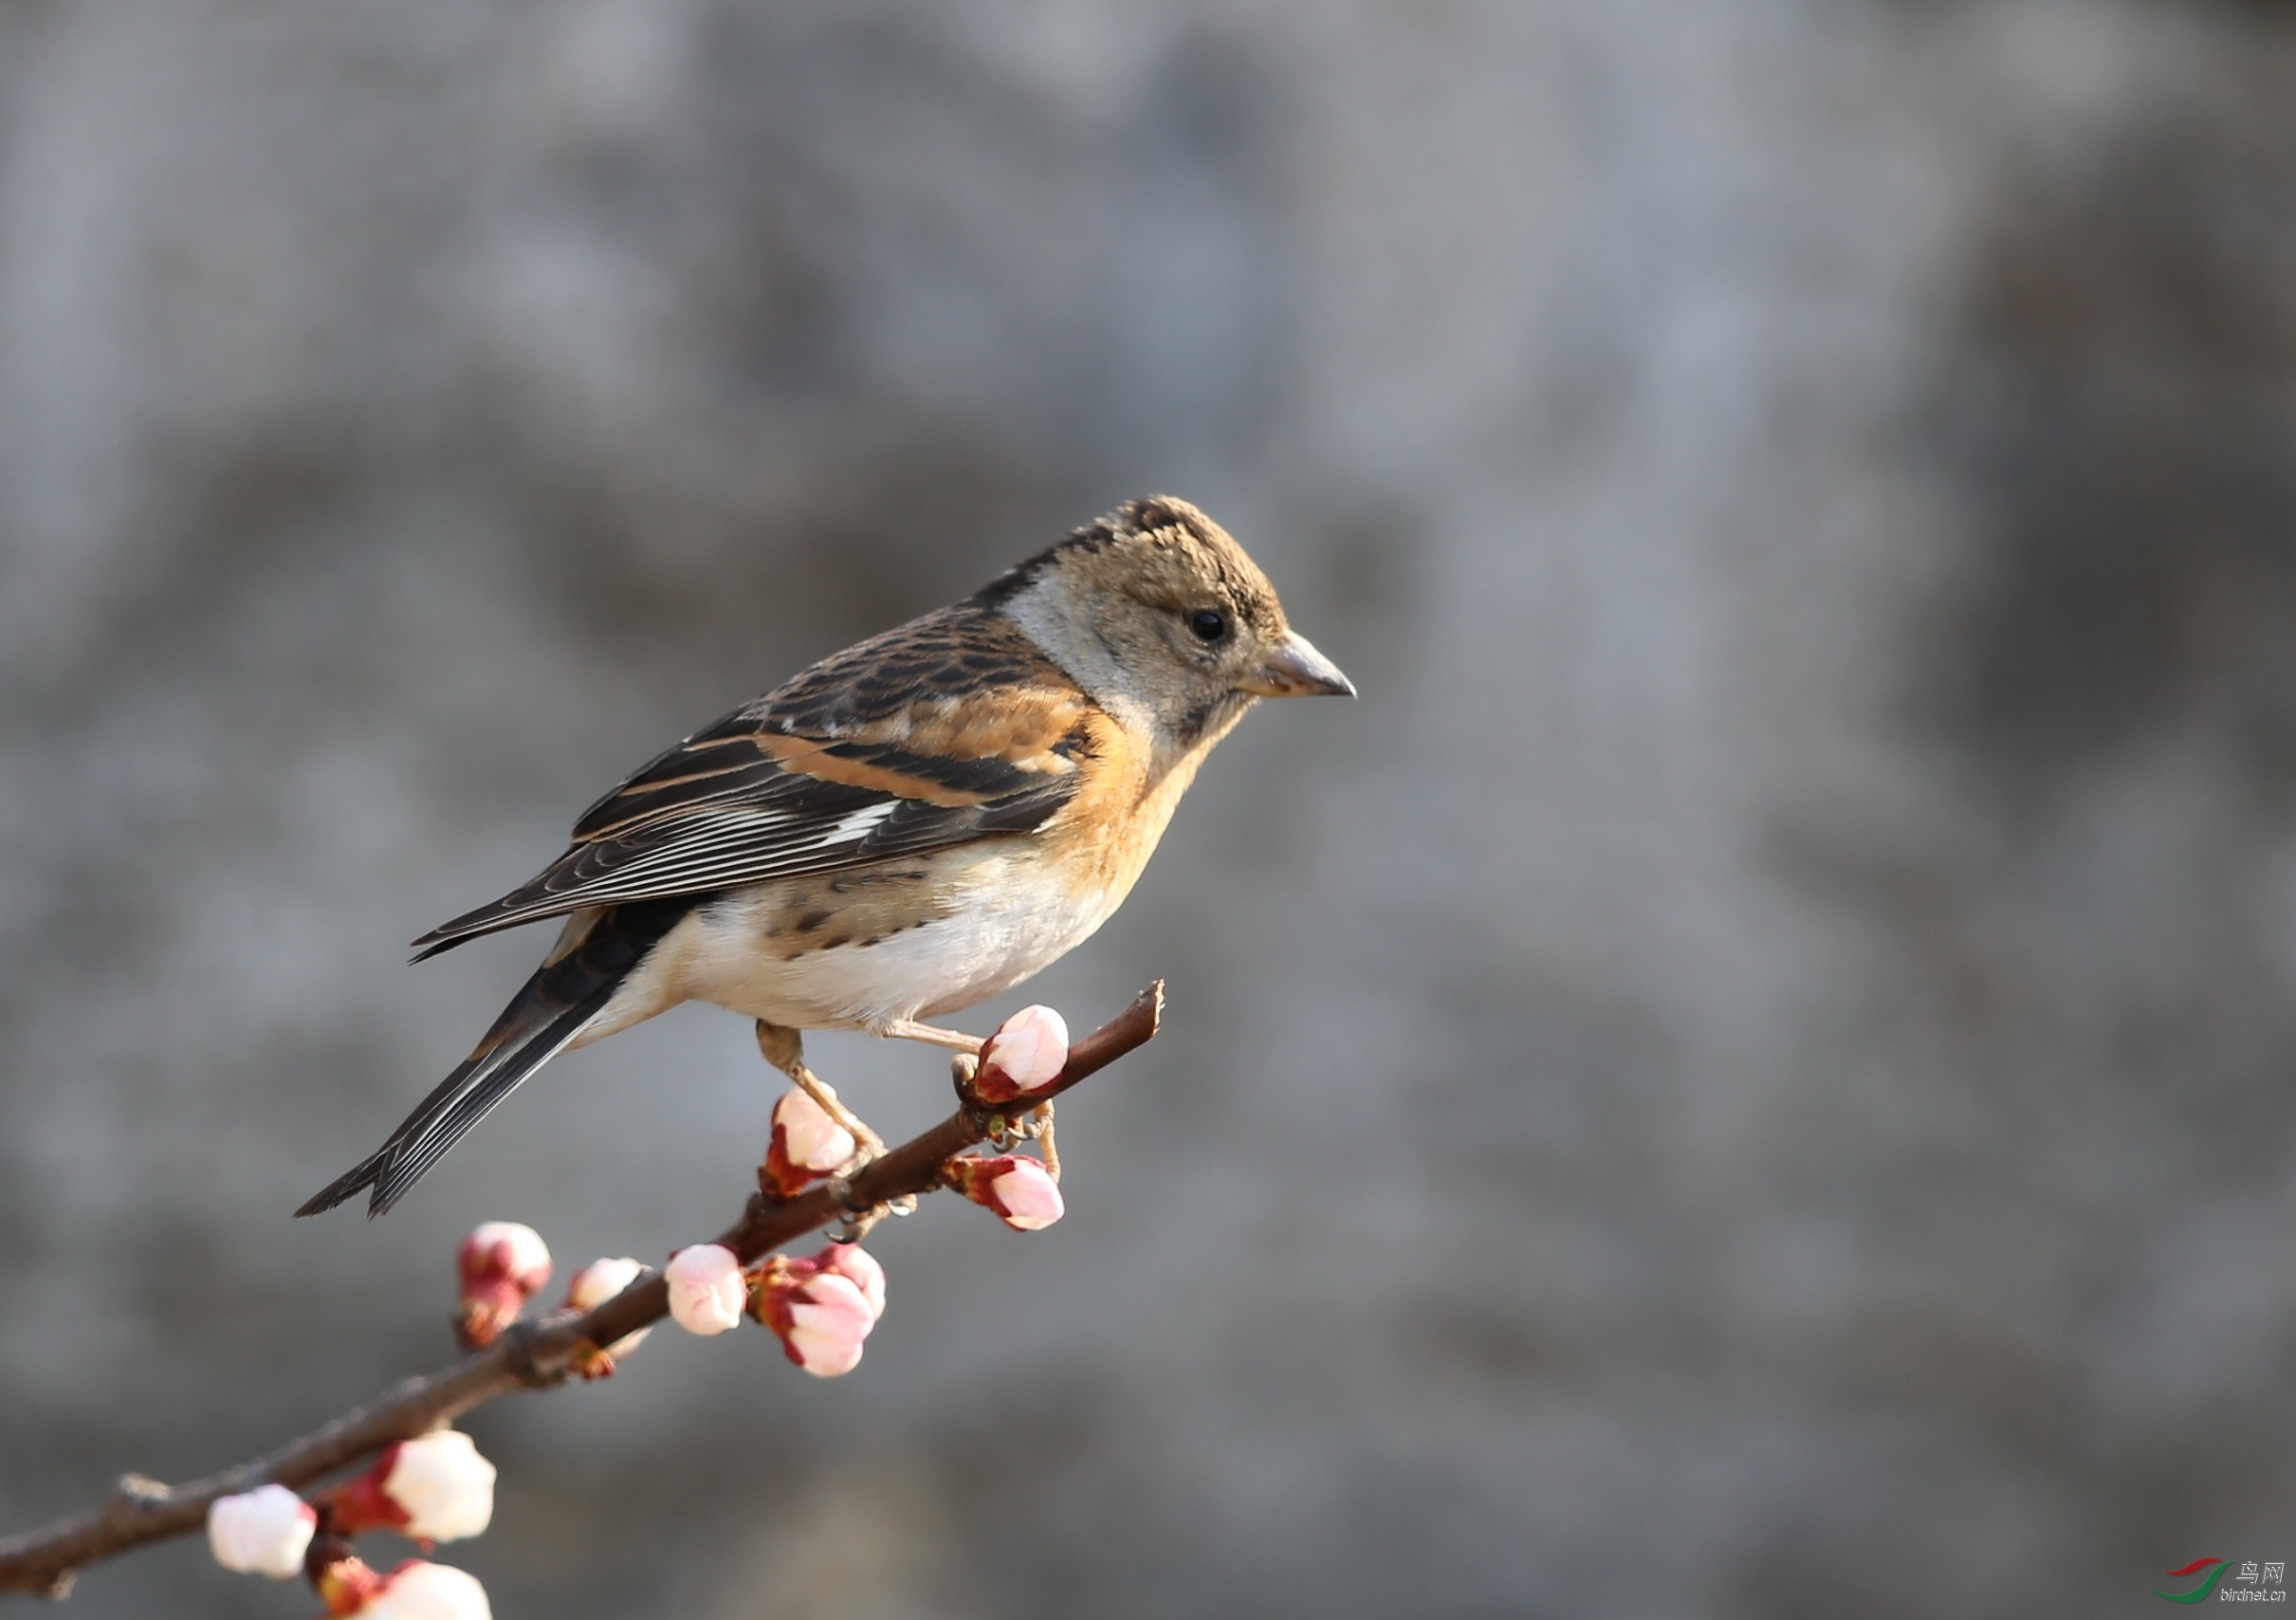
pixel 595 1283
pixel 601 1280
pixel 434 1487
pixel 501 1265
pixel 421 1591
pixel 1026 1054
pixel 858 1267
pixel 807 1145
pixel 1020 1192
pixel 445 1487
pixel 821 1316
pixel 706 1289
pixel 262 1532
pixel 828 1320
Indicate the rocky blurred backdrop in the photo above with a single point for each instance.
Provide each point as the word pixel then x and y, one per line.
pixel 1748 1076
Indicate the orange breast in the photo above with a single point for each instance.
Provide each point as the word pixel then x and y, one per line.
pixel 1103 839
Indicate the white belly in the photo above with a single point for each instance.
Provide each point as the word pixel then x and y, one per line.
pixel 1012 918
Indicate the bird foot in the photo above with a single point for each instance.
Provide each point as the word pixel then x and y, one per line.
pixel 1008 1130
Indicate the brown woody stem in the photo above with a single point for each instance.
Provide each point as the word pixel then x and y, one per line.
pixel 532 1355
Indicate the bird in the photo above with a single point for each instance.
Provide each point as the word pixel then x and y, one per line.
pixel 900 831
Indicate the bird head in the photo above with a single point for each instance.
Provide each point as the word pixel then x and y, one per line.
pixel 1155 610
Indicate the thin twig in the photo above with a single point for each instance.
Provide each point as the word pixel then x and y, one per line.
pixel 532 1355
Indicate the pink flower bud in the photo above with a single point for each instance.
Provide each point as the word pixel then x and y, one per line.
pixel 1018 1190
pixel 706 1289
pixel 420 1591
pixel 595 1283
pixel 263 1531
pixel 807 1145
pixel 1026 1054
pixel 829 1319
pixel 503 1264
pixel 858 1267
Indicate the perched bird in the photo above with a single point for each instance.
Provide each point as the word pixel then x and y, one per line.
pixel 907 828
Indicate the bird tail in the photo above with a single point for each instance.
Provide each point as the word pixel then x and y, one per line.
pixel 597 952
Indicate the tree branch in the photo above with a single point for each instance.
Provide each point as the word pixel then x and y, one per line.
pixel 537 1354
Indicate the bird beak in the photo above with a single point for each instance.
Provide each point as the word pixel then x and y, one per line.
pixel 1295 668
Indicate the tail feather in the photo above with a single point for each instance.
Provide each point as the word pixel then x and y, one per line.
pixel 546 1017
pixel 461 1100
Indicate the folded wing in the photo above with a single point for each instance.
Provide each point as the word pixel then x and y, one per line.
pixel 937 733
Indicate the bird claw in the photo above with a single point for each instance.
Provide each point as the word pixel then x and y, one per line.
pixel 1006 1130
pixel 861 1219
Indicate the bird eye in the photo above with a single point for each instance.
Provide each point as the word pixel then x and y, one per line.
pixel 1207 624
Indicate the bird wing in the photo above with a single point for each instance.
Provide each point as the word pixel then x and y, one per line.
pixel 952 727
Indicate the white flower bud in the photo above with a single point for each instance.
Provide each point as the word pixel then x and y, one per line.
pixel 708 1293
pixel 421 1591
pixel 811 1139
pixel 1028 1052
pixel 263 1531
pixel 599 1281
pixel 443 1486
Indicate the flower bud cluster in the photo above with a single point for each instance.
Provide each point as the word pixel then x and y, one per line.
pixel 434 1487
pixel 821 1309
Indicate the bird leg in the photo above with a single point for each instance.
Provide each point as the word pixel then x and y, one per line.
pixel 785 1050
pixel 933 1035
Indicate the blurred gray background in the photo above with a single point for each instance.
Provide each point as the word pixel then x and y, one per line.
pixel 1747 1077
